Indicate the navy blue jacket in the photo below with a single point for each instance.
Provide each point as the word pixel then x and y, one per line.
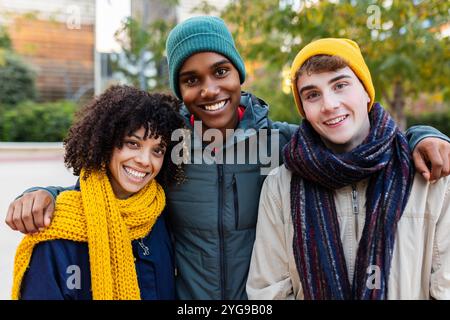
pixel 59 269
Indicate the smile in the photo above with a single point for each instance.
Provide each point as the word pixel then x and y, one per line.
pixel 336 121
pixel 214 107
pixel 134 173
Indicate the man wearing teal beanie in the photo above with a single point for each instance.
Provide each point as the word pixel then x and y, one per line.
pixel 200 34
pixel 213 214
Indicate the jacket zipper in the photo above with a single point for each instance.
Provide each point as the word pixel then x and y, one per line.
pixel 144 247
pixel 221 237
pixel 236 202
pixel 355 206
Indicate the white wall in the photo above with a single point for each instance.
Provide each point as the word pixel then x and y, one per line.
pixel 16 175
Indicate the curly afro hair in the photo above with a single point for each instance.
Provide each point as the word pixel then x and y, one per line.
pixel 103 124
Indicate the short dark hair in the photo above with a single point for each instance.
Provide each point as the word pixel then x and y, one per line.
pixel 103 124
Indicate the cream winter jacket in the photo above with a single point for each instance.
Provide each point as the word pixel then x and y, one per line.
pixel 421 258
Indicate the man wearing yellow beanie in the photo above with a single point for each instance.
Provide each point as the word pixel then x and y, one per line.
pixel 358 223
pixel 343 48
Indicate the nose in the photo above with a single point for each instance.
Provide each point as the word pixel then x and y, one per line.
pixel 210 89
pixel 330 102
pixel 144 158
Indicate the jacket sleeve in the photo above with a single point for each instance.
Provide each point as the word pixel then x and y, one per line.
pixel 415 134
pixel 42 281
pixel 269 276
pixel 286 131
pixel 54 191
pixel 440 277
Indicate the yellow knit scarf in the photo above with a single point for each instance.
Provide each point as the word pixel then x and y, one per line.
pixel 108 225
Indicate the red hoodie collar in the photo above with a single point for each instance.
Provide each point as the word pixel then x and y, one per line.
pixel 241 111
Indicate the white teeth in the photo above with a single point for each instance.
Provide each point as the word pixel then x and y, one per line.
pixel 214 107
pixel 336 120
pixel 134 173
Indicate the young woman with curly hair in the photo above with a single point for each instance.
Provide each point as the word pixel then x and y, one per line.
pixel 108 239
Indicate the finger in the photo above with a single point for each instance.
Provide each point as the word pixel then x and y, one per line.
pixel 17 217
pixel 48 213
pixel 421 165
pixel 445 163
pixel 9 216
pixel 436 164
pixel 39 205
pixel 27 215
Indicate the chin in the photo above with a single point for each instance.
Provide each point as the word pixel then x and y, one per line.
pixel 133 190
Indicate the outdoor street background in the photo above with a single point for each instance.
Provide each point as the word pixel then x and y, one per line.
pixel 56 55
pixel 19 170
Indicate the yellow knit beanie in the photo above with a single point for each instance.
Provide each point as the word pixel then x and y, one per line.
pixel 343 48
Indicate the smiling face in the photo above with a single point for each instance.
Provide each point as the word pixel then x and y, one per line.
pixel 211 90
pixel 335 104
pixel 135 164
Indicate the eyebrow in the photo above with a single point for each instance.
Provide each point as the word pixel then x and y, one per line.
pixel 342 76
pixel 218 63
pixel 136 136
pixel 213 66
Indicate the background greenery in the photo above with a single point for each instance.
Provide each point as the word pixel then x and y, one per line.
pixel 31 121
pixel 402 43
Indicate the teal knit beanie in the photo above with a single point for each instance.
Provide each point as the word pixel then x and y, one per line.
pixel 200 34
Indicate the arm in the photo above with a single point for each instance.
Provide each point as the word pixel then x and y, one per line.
pixel 286 131
pixel 431 149
pixel 415 134
pixel 440 278
pixel 54 191
pixel 269 267
pixel 33 210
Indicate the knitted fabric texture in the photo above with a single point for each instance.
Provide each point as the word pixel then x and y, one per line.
pixel 200 34
pixel 94 215
pixel 343 48
pixel 384 158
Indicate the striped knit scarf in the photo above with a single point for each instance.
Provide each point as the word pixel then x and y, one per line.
pixel 384 158
pixel 108 225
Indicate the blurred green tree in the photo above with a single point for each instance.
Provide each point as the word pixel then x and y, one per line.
pixel 402 42
pixel 142 61
pixel 31 121
pixel 16 79
pixel 5 40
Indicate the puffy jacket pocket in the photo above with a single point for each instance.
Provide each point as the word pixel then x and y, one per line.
pixel 246 190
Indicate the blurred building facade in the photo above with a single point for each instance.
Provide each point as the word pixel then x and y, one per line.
pixel 56 38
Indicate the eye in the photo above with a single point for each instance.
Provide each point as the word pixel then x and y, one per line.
pixel 159 151
pixel 132 144
pixel 340 85
pixel 190 81
pixel 220 72
pixel 311 95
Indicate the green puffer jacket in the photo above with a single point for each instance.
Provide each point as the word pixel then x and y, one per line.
pixel 214 214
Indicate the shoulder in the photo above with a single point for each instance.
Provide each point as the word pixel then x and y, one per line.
pixel 279 176
pixel 437 190
pixel 278 183
pixel 428 198
pixel 60 252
